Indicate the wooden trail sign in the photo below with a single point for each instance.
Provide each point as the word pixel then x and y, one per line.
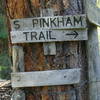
pixel 47 35
pixel 53 22
pixel 46 78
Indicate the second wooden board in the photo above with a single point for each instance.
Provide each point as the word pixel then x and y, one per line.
pixel 46 78
pixel 48 35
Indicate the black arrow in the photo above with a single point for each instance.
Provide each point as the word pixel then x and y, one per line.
pixel 73 33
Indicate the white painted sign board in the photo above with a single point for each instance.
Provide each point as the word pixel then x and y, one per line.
pixel 48 35
pixel 54 22
pixel 46 78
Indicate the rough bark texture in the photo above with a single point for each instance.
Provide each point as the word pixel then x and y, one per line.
pixel 69 54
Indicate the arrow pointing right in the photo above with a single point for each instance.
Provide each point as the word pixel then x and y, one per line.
pixel 74 33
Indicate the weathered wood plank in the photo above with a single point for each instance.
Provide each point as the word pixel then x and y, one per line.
pixel 18 59
pixel 47 35
pixel 49 48
pixel 46 78
pixel 18 66
pixel 54 22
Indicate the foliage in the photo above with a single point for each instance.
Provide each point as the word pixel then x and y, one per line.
pixel 5 64
pixel 3 27
pixel 98 3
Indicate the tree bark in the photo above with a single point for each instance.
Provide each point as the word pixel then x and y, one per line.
pixel 69 54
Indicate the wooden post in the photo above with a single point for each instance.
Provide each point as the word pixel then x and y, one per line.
pixel 18 66
pixel 94 63
pixel 93 48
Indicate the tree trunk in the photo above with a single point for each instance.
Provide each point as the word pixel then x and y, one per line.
pixel 69 54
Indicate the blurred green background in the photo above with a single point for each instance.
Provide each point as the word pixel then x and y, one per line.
pixel 5 62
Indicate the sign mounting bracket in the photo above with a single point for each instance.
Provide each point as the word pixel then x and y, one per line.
pixel 49 48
